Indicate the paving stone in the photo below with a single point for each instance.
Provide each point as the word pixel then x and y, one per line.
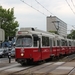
pixel 61 71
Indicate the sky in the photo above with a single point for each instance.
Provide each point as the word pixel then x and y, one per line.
pixel 33 13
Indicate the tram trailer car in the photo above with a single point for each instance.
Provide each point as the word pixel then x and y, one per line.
pixel 33 45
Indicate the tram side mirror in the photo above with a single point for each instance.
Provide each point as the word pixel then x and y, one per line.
pixel 36 38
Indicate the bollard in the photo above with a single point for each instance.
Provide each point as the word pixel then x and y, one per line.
pixel 9 56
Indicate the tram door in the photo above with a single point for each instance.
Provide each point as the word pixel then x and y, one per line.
pixel 37 48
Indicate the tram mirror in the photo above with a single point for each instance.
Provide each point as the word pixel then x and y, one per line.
pixel 35 37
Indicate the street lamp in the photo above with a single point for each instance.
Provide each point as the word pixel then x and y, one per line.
pixel 56 24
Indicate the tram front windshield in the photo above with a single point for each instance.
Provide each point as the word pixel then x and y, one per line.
pixel 24 41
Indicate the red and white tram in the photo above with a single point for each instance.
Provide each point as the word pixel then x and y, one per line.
pixel 34 45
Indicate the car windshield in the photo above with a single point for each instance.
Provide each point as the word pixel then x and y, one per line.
pixel 24 41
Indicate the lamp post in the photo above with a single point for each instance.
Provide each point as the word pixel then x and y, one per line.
pixel 56 24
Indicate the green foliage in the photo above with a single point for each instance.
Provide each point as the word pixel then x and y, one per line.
pixel 53 32
pixel 71 35
pixel 7 21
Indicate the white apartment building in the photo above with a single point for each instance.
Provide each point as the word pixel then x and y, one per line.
pixel 55 24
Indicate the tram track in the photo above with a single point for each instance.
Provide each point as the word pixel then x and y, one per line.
pixel 33 69
pixel 37 69
pixel 11 71
pixel 70 73
pixel 68 58
pixel 5 68
pixel 32 72
pixel 14 73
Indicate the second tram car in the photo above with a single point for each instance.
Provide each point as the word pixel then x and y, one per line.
pixel 34 45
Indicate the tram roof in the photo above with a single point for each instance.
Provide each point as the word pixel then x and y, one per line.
pixel 36 31
pixel 39 32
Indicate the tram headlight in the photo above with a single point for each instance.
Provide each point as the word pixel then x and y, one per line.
pixel 22 54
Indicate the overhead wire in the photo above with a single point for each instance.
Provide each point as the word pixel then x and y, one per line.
pixel 44 7
pixel 73 3
pixel 36 9
pixel 50 13
pixel 70 6
pixel 33 7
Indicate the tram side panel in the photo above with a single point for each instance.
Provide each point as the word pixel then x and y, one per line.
pixel 45 53
pixel 28 54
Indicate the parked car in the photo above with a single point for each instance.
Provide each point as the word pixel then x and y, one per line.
pixel 3 52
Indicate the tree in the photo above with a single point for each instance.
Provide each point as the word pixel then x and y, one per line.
pixel 7 21
pixel 71 35
pixel 53 32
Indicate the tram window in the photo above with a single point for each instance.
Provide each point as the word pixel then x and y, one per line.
pixel 19 42
pixel 69 43
pixel 74 43
pixel 63 42
pixel 24 41
pixel 53 42
pixel 66 43
pixel 27 42
pixel 35 41
pixel 58 42
pixel 45 41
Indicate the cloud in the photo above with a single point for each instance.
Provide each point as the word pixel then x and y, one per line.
pixel 27 16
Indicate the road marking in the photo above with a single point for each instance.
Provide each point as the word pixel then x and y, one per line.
pixel 6 67
pixel 58 63
pixel 14 69
pixel 65 68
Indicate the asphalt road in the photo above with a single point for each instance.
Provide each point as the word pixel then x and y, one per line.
pixel 5 62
